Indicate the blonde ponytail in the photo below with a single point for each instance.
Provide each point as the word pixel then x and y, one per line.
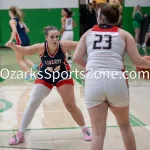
pixel 17 12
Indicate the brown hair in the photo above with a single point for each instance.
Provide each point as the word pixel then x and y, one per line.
pixel 68 11
pixel 17 12
pixel 49 28
pixel 111 12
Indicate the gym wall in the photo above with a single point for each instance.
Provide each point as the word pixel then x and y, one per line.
pixel 128 9
pixel 38 14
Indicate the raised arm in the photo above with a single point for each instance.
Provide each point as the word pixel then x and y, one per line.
pixel 134 54
pixel 28 50
pixel 134 11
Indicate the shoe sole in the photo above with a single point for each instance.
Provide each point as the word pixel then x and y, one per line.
pixel 17 143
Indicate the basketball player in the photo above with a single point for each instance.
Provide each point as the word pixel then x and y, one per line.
pixel 105 45
pixel 53 71
pixel 19 33
pixel 67 28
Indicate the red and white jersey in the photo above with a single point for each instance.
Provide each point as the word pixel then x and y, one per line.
pixel 105 48
pixel 69 24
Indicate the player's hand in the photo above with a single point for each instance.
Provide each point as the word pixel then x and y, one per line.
pixel 9 43
pixel 135 8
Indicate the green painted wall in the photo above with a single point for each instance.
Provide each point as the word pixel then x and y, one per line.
pixel 36 20
pixel 0 27
pixel 127 18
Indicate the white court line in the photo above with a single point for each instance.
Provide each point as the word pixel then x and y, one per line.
pixel 139 85
pixel 147 127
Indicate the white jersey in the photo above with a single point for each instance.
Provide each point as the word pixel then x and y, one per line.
pixel 105 49
pixel 69 24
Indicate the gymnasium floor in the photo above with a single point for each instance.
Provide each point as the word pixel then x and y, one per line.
pixel 52 127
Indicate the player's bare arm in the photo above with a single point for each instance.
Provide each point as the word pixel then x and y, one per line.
pixel 28 50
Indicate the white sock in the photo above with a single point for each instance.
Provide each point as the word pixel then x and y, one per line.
pixel 22 131
pixel 83 127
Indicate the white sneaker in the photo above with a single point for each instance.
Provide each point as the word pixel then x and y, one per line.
pixel 144 45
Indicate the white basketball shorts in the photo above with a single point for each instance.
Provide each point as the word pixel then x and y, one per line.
pixel 67 35
pixel 101 86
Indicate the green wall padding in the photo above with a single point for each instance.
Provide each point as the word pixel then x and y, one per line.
pixel 36 20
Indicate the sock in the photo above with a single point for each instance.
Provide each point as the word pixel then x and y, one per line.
pixel 22 131
pixel 83 127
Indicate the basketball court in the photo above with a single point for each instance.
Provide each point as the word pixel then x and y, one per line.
pixel 52 127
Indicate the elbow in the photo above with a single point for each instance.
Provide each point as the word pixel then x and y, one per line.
pixel 27 30
pixel 63 28
pixel 14 32
pixel 74 25
pixel 25 53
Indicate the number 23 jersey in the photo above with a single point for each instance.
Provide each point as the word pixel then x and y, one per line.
pixel 105 48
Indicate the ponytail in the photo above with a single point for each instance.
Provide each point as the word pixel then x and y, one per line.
pixel 69 12
pixel 17 12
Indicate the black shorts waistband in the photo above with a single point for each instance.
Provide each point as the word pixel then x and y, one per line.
pixel 68 30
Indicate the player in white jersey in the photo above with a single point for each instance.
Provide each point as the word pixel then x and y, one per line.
pixel 67 28
pixel 105 83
